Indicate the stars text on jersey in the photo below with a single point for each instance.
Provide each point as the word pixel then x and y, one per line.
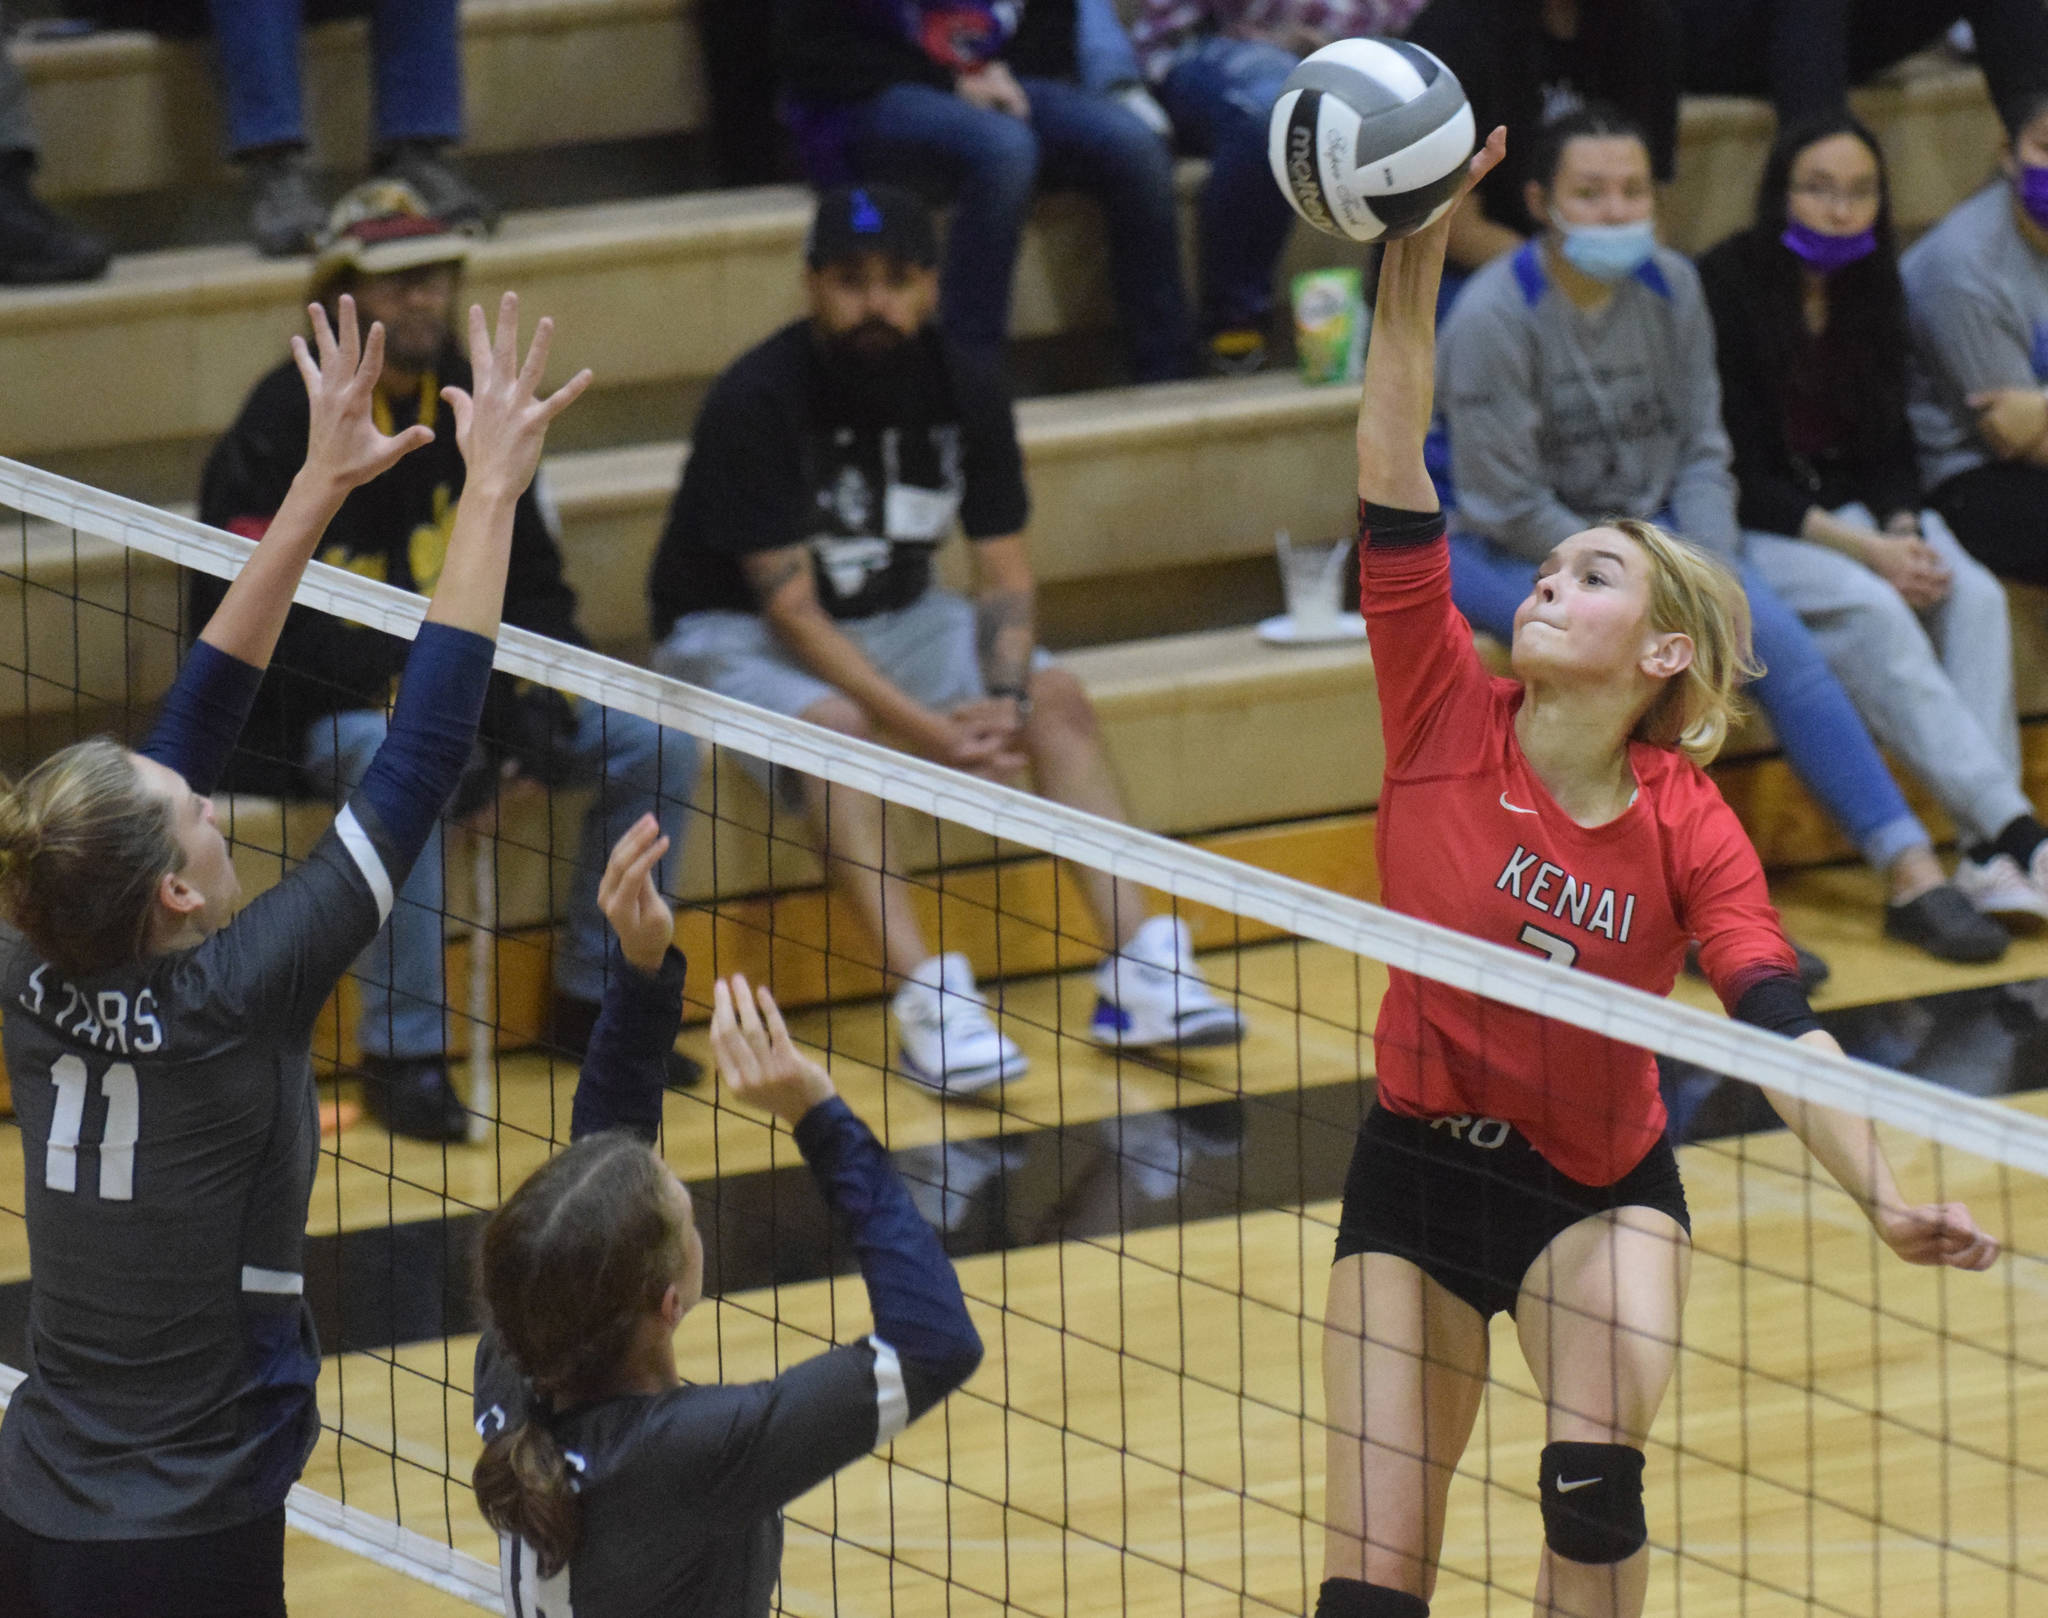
pixel 110 1020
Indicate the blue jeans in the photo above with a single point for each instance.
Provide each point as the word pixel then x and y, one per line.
pixel 415 45
pixel 1817 725
pixel 1220 94
pixel 989 165
pixel 636 765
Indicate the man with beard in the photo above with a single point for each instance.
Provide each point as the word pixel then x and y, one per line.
pixel 795 573
pixel 320 714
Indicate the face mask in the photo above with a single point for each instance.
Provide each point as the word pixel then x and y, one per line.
pixel 1824 253
pixel 2032 189
pixel 1608 252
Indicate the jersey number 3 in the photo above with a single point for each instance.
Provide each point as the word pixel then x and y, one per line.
pixel 1561 950
pixel 117 1143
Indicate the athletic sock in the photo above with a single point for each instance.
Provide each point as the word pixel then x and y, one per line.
pixel 1353 1598
pixel 2020 839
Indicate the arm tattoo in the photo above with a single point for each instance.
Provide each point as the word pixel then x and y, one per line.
pixel 769 571
pixel 1004 637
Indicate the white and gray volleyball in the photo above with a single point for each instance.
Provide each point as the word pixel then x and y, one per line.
pixel 1370 138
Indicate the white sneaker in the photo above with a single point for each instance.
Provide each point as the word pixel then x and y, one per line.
pixel 947 1042
pixel 1152 993
pixel 1998 887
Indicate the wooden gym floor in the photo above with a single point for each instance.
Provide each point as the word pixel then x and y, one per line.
pixel 1145 1251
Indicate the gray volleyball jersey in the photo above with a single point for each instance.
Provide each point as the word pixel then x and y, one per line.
pixel 681 1493
pixel 169 1141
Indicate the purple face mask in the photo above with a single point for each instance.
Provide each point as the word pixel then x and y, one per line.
pixel 2032 188
pixel 1824 253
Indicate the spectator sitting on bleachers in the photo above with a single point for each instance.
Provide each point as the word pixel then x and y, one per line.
pixel 1525 63
pixel 1810 331
pixel 36 245
pixel 795 573
pixel 1804 54
pixel 416 49
pixel 320 714
pixel 1977 301
pixel 980 103
pixel 1218 66
pixel 1576 379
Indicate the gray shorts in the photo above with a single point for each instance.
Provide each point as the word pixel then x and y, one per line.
pixel 926 649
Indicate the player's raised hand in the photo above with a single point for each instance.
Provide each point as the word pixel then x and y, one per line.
pixel 344 447
pixel 629 899
pixel 1937 1233
pixel 762 1067
pixel 501 422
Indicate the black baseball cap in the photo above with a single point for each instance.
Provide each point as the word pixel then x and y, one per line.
pixel 856 219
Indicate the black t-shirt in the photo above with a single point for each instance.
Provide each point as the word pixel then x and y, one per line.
pixel 786 454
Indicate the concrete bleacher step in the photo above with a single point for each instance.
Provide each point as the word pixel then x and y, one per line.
pixel 125 111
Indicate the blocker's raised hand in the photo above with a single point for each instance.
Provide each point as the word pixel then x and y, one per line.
pixel 762 1066
pixel 343 444
pixel 629 899
pixel 502 422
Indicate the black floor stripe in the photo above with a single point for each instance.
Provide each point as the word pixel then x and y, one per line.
pixel 409 1283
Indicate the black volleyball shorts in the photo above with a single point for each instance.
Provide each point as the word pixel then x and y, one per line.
pixel 1472 1204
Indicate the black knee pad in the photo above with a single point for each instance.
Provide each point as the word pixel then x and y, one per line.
pixel 1593 1501
pixel 1352 1598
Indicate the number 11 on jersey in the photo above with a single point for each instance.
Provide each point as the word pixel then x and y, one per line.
pixel 117 1143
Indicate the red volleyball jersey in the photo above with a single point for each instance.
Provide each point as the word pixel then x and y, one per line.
pixel 1468 837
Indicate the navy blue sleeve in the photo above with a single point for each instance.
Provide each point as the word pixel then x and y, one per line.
pixel 912 1289
pixel 202 716
pixel 621 1082
pixel 281 957
pixel 433 728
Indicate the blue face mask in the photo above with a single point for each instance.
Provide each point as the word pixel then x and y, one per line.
pixel 1607 252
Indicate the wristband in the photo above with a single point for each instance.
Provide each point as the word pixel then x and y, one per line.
pixel 1017 694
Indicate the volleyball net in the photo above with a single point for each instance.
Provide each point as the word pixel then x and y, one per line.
pixel 1145 1239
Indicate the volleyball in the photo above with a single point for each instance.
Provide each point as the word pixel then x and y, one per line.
pixel 1369 138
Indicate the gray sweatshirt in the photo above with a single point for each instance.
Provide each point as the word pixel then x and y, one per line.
pixel 1558 418
pixel 1977 298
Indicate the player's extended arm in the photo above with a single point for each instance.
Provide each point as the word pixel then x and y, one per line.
pixel 921 1319
pixel 203 713
pixel 620 1084
pixel 1400 360
pixel 1848 1148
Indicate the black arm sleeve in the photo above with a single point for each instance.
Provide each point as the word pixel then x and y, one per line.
pixel 621 1082
pixel 1779 1004
pixel 1391 528
pixel 919 1312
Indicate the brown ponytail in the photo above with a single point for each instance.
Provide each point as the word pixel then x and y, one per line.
pixel 572 1263
pixel 83 846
